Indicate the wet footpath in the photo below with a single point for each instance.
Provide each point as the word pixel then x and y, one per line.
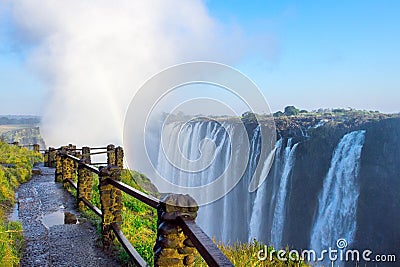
pixel 54 233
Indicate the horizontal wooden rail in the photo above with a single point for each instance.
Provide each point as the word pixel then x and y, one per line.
pixel 149 200
pixel 98 153
pixel 91 206
pixel 206 247
pixel 74 185
pixel 133 254
pixel 87 166
pixel 97 148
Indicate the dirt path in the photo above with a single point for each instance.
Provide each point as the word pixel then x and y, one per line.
pixel 42 205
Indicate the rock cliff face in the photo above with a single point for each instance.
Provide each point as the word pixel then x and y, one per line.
pixel 26 135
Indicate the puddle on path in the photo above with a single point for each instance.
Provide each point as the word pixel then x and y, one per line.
pixel 54 218
pixel 59 217
pixel 14 215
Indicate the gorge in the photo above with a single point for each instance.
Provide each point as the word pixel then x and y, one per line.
pixel 330 177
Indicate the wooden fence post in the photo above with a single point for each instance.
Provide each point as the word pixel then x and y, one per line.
pixel 173 247
pixel 85 179
pixel 110 155
pixel 111 203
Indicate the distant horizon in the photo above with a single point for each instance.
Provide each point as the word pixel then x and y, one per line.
pixel 300 108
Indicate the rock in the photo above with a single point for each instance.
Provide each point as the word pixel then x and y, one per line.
pixel 70 218
pixel 188 260
pixel 36 171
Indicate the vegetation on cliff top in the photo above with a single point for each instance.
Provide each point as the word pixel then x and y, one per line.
pixel 292 117
pixel 15 168
pixel 19 120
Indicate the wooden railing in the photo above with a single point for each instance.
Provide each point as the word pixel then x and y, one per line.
pixel 35 147
pixel 178 236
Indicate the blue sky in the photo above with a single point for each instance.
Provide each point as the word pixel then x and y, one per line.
pixel 306 53
pixel 331 53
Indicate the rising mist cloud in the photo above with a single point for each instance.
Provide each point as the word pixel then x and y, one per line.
pixel 93 55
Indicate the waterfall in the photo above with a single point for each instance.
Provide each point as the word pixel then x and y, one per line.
pixel 268 214
pixel 280 205
pixel 183 146
pixel 256 229
pixel 258 215
pixel 337 202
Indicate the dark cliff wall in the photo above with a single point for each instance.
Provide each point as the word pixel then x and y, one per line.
pixel 378 215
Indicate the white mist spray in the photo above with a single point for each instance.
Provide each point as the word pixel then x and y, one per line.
pixel 93 55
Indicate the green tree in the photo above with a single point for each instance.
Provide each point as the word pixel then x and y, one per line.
pixel 291 110
pixel 248 117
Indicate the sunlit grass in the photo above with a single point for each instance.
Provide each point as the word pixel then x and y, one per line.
pixel 22 160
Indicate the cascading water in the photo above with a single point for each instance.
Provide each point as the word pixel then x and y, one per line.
pixel 254 208
pixel 268 214
pixel 317 191
pixel 256 228
pixel 337 202
pixel 191 148
pixel 279 213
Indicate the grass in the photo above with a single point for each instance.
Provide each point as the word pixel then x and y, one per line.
pixel 246 255
pixel 11 241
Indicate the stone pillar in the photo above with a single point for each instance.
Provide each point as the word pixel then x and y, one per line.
pixel 111 203
pixel 85 183
pixel 110 155
pixel 36 148
pixel 72 151
pixel 58 173
pixel 67 168
pixel 173 247
pixel 72 148
pixel 86 154
pixel 59 164
pixel 85 178
pixel 52 157
pixel 119 157
pixel 46 159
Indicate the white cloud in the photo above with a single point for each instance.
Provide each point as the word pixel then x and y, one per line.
pixel 94 54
